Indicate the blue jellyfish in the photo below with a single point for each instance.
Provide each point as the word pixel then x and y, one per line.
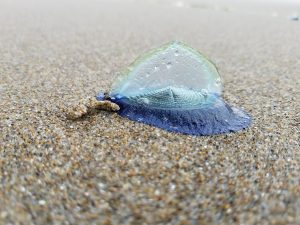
pixel 178 89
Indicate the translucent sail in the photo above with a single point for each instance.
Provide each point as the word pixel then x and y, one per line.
pixel 173 66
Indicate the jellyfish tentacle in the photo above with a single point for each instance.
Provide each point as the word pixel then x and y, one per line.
pixel 90 105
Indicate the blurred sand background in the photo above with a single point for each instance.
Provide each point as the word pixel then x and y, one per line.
pixel 108 170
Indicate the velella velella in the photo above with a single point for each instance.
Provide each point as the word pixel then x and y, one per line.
pixel 178 89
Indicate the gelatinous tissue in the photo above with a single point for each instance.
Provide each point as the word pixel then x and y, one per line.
pixel 178 89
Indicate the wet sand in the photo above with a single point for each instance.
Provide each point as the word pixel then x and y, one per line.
pixel 105 169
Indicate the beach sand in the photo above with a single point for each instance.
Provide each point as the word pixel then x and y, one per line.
pixel 104 169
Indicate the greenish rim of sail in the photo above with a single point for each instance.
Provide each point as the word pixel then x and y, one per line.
pixel 126 73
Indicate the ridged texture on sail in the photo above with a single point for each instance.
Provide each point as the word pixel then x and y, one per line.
pixel 171 97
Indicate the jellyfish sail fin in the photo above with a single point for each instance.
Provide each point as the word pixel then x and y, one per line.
pixel 172 65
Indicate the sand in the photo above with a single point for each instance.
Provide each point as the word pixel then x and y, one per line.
pixel 105 169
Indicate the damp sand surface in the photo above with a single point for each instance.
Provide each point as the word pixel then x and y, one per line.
pixel 104 169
